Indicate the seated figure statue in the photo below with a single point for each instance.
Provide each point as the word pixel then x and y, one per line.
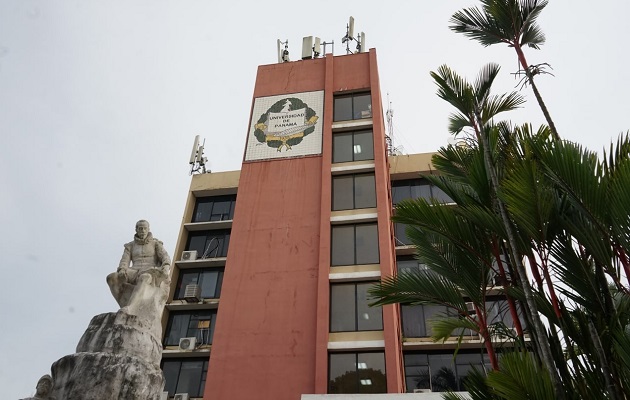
pixel 142 287
pixel 43 389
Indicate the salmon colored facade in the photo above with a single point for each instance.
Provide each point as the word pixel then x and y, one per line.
pixel 272 337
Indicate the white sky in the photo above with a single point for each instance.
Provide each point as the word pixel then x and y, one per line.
pixel 100 102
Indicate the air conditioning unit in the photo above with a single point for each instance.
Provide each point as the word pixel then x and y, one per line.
pixel 164 396
pixel 181 396
pixel 187 343
pixel 190 255
pixel 192 293
pixel 470 307
pixel 422 390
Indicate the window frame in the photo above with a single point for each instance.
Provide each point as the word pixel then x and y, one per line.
pixel 356 306
pixel 207 314
pixel 180 289
pixel 335 145
pixel 357 363
pixel 484 363
pixel 214 199
pixel 354 190
pixel 175 388
pixel 400 233
pixel 353 111
pixel 418 183
pixel 220 251
pixel 334 250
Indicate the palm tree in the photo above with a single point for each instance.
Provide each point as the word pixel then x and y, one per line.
pixel 476 109
pixel 512 22
pixel 591 198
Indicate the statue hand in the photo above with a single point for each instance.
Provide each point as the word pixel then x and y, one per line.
pixel 122 271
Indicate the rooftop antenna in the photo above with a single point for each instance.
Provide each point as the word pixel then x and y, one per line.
pixel 283 55
pixel 350 37
pixel 389 114
pixel 197 161
pixel 311 47
pixel 324 44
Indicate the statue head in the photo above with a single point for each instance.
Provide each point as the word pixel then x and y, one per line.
pixel 142 228
pixel 44 385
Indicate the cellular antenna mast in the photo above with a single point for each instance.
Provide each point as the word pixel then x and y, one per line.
pixel 350 37
pixel 283 54
pixel 197 160
pixel 389 114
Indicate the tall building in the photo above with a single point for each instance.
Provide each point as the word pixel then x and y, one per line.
pixel 273 262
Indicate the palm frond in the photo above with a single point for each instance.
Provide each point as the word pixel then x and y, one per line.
pixel 521 378
pixel 475 24
pixel 498 104
pixel 484 81
pixel 417 288
pixel 453 89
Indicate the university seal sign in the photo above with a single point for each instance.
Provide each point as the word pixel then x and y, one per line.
pixel 285 126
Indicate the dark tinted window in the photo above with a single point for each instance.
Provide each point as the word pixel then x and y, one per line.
pixel 209 281
pixel 185 376
pixel 354 244
pixel 349 310
pixel 413 189
pixel 357 373
pixel 440 372
pixel 415 319
pixel 209 244
pixel 352 106
pixel 353 146
pixel 416 189
pixel 354 191
pixel 195 323
pixel 216 208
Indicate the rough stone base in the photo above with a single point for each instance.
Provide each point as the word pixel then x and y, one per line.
pixel 121 333
pixel 117 358
pixel 102 376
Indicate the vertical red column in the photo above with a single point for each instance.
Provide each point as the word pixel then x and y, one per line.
pixel 391 325
pixel 323 289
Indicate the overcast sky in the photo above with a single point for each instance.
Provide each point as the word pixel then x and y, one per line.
pixel 100 102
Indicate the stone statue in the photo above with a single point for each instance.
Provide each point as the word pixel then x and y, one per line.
pixel 142 286
pixel 118 356
pixel 43 389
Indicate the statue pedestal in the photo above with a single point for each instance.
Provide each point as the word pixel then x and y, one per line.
pixel 118 357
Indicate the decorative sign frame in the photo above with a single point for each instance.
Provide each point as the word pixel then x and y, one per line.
pixel 288 125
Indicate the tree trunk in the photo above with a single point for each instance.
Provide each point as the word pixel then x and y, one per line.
pixel 538 327
pixel 541 103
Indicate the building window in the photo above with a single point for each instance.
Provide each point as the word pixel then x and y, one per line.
pixel 400 234
pixel 441 372
pixel 209 244
pixel 349 310
pixel 216 208
pixel 185 376
pixel 357 373
pixel 413 189
pixel 208 279
pixel 417 189
pixel 353 146
pixel 196 323
pixel 410 265
pixel 352 106
pixel 415 319
pixel 354 244
pixel 353 191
